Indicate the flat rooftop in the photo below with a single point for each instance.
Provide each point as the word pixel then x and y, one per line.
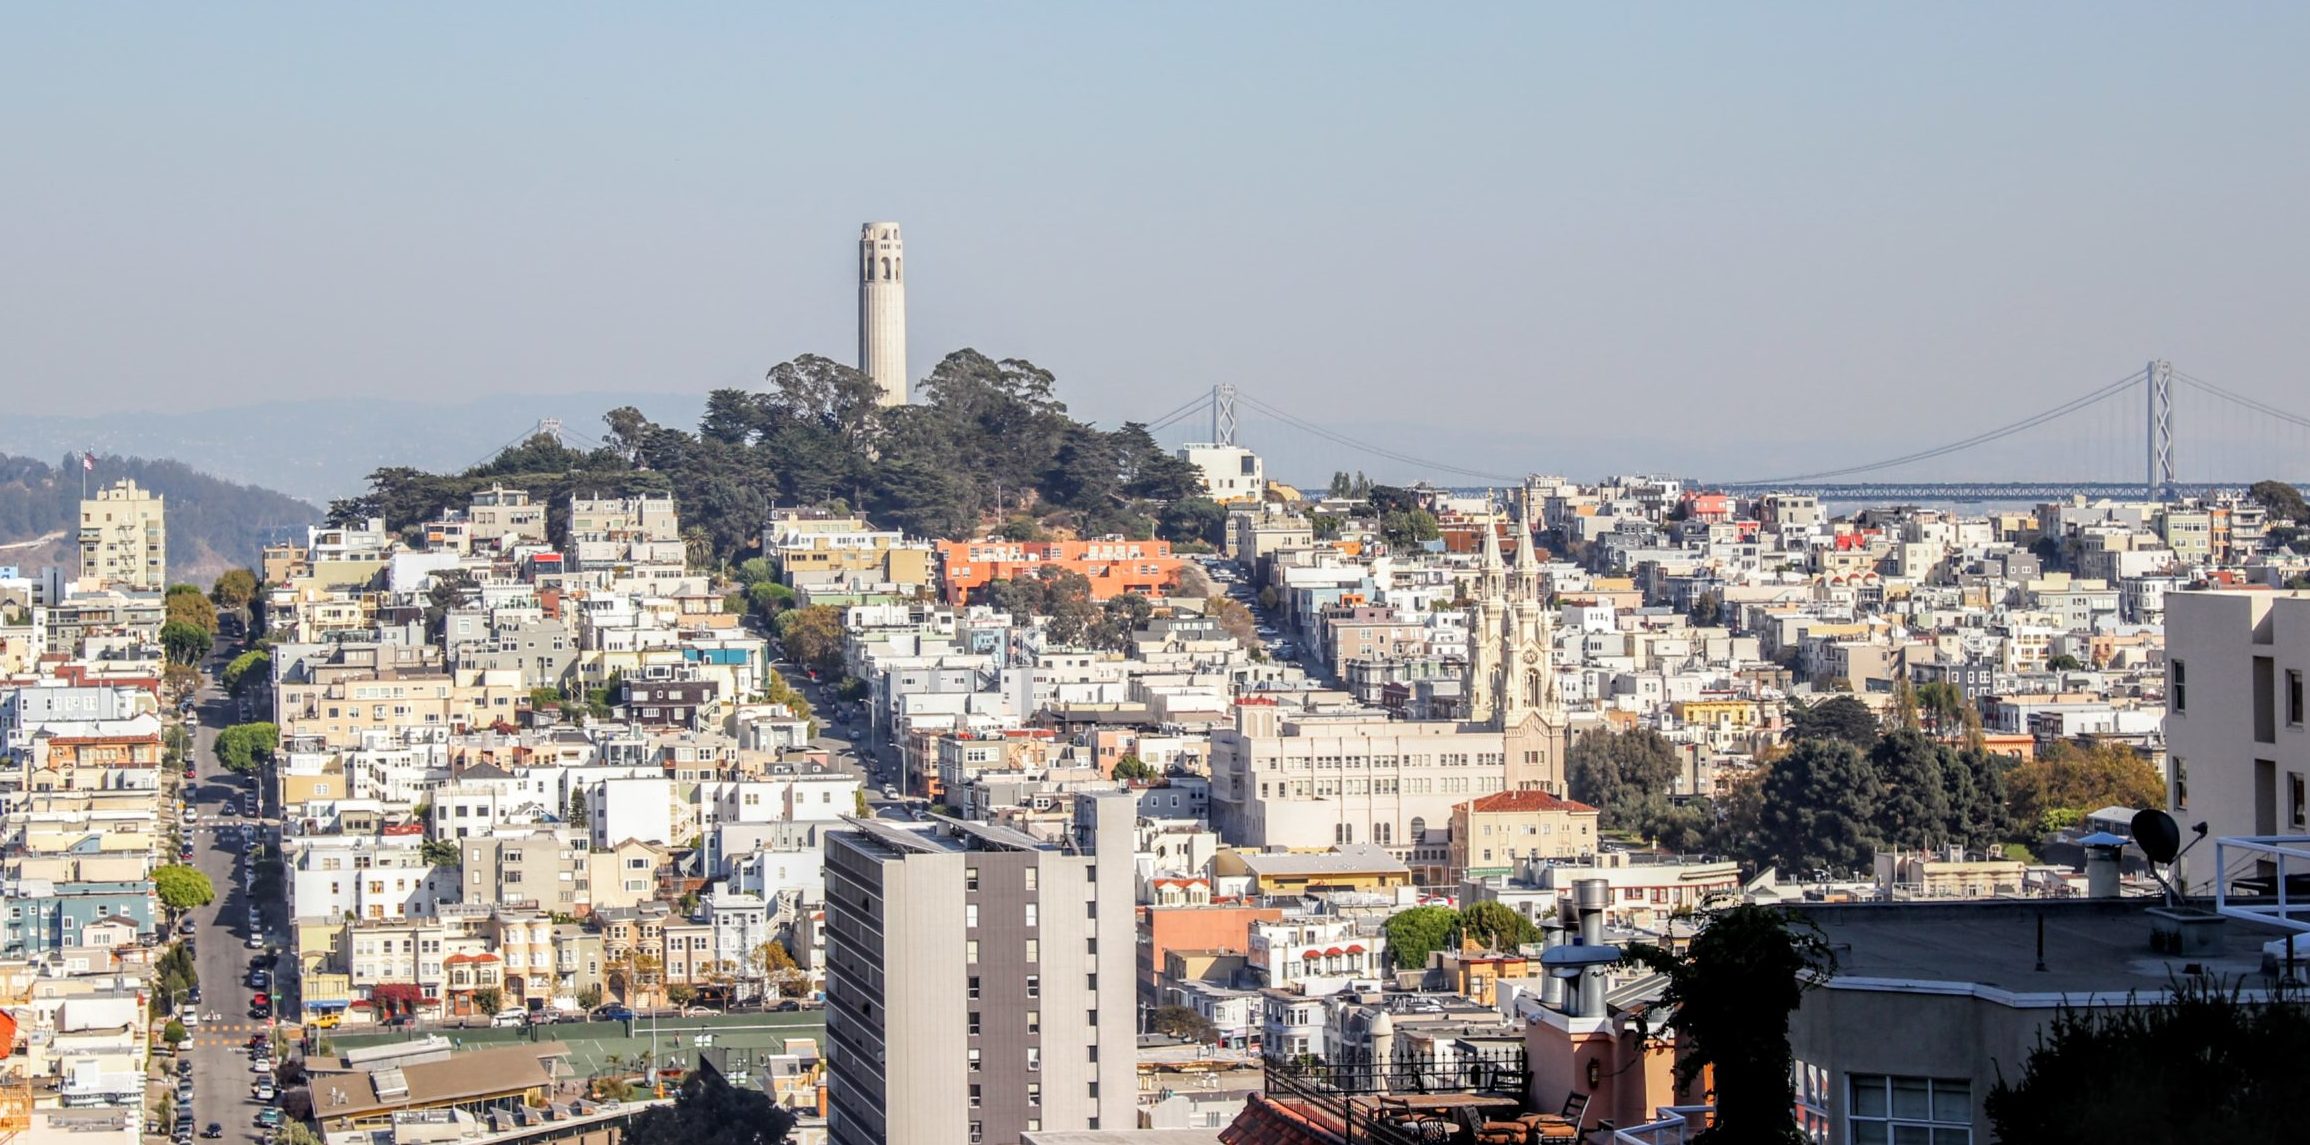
pixel 2091 945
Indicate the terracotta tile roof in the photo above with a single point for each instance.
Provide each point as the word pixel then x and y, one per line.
pixel 1267 1121
pixel 1526 801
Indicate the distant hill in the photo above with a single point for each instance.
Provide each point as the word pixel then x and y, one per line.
pixel 323 448
pixel 212 524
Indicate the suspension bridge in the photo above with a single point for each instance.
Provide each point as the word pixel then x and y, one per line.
pixel 2157 433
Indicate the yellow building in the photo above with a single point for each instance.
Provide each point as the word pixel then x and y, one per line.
pixel 1355 867
pixel 1490 834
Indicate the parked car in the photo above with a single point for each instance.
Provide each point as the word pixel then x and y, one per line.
pixel 260 998
pixel 213 1130
pixel 613 1014
pixel 506 1018
pixel 268 1117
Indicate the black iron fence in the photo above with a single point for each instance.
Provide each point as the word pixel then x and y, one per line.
pixel 1364 1099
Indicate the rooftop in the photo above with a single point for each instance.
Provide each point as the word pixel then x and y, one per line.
pixel 1520 801
pixel 1353 859
pixel 2091 945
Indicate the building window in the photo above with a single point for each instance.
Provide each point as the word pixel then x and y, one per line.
pixel 1034 985
pixel 974 1058
pixel 974 1029
pixel 1034 950
pixel 1936 1111
pixel 970 950
pixel 970 914
pixel 1034 1093
pixel 1034 1021
pixel 2293 697
pixel 1031 917
pixel 974 1097
pixel 2295 798
pixel 974 987
pixel 2180 687
pixel 970 878
pixel 1034 1059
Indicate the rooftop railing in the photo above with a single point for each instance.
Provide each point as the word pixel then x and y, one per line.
pixel 2286 858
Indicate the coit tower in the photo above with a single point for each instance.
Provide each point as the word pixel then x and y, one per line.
pixel 882 310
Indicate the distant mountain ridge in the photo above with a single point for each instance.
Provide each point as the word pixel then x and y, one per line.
pixel 322 448
pixel 213 524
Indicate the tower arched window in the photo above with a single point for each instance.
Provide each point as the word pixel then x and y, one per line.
pixel 1532 689
pixel 901 265
pixel 1419 829
pixel 886 269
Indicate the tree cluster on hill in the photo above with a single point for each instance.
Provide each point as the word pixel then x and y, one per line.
pixel 1628 776
pixel 986 439
pixel 1830 803
pixel 1064 595
pixel 211 522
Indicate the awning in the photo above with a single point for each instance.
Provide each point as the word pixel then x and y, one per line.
pixel 1311 955
pixel 1355 948
pixel 1333 952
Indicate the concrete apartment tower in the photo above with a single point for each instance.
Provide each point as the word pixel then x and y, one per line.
pixel 124 539
pixel 979 981
pixel 882 310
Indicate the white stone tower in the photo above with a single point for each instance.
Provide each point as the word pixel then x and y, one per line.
pixel 882 310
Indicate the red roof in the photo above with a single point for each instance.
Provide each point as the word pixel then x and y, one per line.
pixel 1267 1121
pixel 1526 801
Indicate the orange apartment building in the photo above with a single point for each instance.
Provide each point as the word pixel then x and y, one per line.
pixel 1113 567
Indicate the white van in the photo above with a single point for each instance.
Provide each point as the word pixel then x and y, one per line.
pixel 505 1018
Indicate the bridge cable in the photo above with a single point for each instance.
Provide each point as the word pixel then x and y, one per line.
pixel 1199 401
pixel 1367 447
pixel 2005 431
pixel 2242 400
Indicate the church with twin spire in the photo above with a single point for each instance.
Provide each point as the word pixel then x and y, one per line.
pixel 1511 685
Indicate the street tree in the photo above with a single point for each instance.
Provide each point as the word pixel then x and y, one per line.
pixel 185 642
pixel 243 748
pixel 182 887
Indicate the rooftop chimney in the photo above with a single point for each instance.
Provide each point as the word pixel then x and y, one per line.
pixel 2101 864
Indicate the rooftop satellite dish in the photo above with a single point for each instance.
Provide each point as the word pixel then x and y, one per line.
pixel 2159 837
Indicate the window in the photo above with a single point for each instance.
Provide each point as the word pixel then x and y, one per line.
pixel 978 1132
pixel 2295 798
pixel 2180 687
pixel 1934 1111
pixel 1034 1021
pixel 974 1097
pixel 970 914
pixel 1034 985
pixel 2293 697
pixel 1031 919
pixel 974 1023
pixel 974 1058
pixel 970 878
pixel 970 950
pixel 974 987
pixel 1091 981
pixel 1034 1059
pixel 1034 951
pixel 1034 1093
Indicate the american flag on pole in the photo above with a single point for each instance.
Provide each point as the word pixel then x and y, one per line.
pixel 88 462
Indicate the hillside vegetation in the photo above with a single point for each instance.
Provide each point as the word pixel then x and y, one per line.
pixel 985 446
pixel 212 524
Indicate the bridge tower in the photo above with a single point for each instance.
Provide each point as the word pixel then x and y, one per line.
pixel 2158 384
pixel 1223 414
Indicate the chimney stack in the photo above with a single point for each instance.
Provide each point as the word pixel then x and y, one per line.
pixel 2102 850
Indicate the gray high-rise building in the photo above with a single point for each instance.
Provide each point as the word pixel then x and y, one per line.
pixel 979 980
pixel 882 309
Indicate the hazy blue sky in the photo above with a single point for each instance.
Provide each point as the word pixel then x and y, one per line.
pixel 1505 231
